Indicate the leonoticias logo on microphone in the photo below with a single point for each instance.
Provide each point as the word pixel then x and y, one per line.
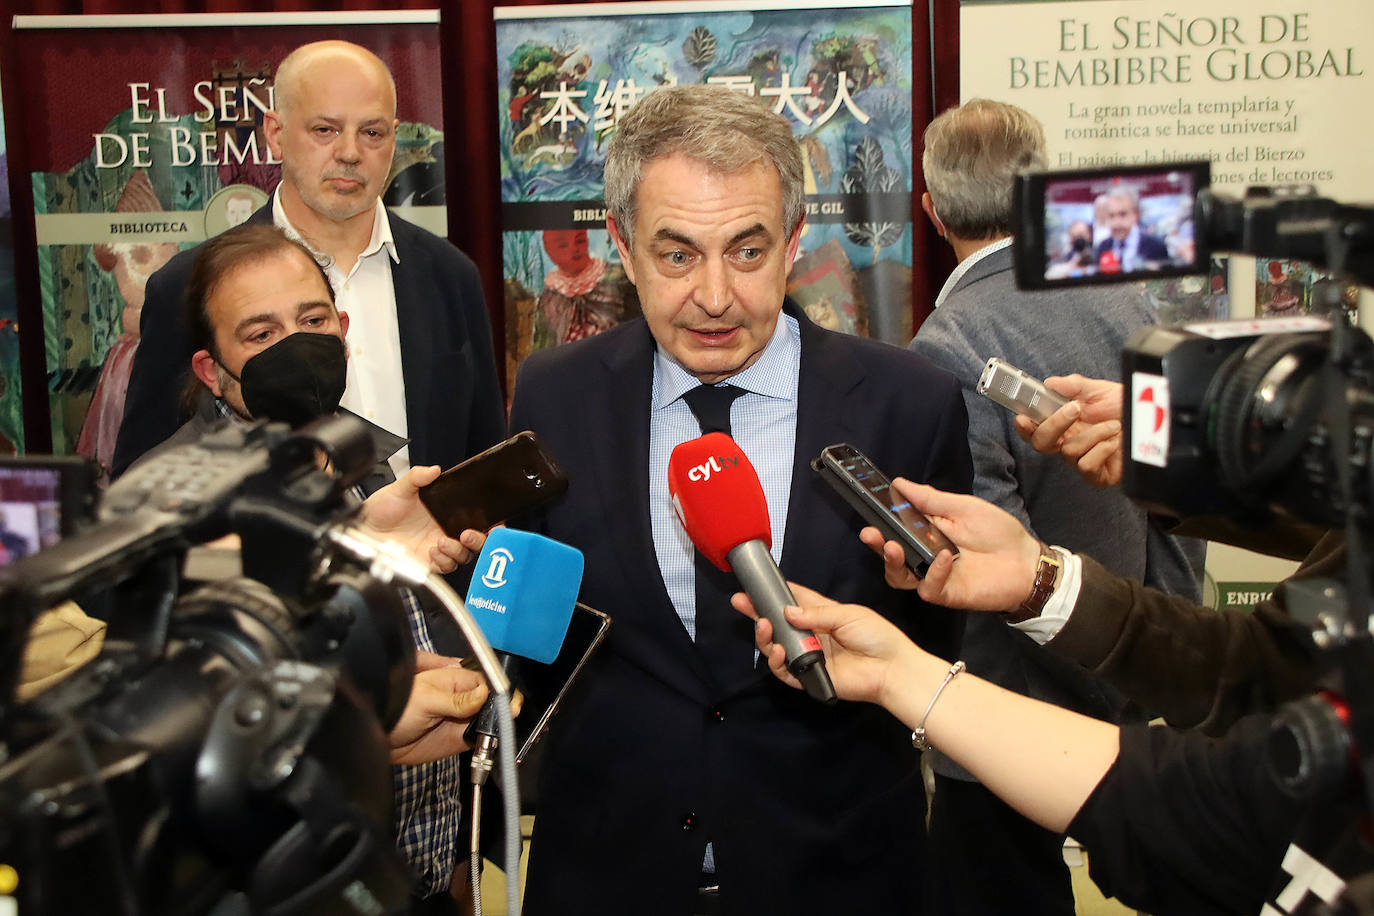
pixel 495 575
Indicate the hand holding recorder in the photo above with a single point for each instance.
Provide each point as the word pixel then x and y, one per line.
pixel 1087 432
pixel 868 491
pixel 997 556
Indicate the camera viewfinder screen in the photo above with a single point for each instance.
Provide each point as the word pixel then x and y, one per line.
pixel 30 511
pixel 1137 223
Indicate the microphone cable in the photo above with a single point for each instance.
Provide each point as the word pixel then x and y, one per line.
pixel 390 562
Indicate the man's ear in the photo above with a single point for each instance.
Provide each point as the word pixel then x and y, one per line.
pixel 928 205
pixel 625 260
pixel 343 325
pixel 271 129
pixel 207 370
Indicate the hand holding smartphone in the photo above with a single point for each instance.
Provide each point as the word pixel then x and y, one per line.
pixel 511 477
pixel 870 493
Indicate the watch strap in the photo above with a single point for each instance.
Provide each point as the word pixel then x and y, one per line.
pixel 1048 572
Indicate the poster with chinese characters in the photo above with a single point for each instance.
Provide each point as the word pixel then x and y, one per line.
pixel 840 74
pixel 144 136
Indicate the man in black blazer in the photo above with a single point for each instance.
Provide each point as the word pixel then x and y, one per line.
pixel 666 788
pixel 445 397
pixel 1132 248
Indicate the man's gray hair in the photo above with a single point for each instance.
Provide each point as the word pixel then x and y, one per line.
pixel 972 153
pixel 1127 193
pixel 726 130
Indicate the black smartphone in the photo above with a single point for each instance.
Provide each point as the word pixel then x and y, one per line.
pixel 870 492
pixel 1110 224
pixel 42 499
pixel 513 476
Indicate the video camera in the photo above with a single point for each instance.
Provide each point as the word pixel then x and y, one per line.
pixel 226 752
pixel 1244 419
pixel 1231 418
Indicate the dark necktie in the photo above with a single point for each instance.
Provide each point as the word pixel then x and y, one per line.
pixel 724 635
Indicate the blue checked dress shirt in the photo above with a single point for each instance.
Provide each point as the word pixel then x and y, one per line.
pixel 763 421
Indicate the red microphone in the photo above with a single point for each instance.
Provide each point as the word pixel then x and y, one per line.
pixel 719 500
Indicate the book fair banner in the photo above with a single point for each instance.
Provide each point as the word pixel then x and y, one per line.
pixel 841 75
pixel 1269 94
pixel 1265 93
pixel 144 136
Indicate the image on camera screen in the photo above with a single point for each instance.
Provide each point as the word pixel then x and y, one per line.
pixel 1140 223
pixel 30 511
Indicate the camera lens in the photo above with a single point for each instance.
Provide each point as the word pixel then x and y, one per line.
pixel 1309 747
pixel 1266 402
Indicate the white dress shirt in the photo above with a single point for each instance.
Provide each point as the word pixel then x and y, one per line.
pixel 375 388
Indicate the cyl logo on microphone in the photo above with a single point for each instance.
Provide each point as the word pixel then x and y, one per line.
pixel 703 471
pixel 495 576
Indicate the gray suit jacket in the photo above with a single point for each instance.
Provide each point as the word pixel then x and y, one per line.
pixel 1048 332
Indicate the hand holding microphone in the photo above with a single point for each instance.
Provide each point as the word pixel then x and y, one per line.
pixel 524 587
pixel 720 502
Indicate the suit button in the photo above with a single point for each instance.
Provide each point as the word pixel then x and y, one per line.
pixel 718 714
pixel 689 821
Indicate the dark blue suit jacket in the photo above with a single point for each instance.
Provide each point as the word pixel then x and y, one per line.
pixel 1149 248
pixel 453 398
pixel 810 809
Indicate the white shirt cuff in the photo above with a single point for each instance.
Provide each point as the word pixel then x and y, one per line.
pixel 1060 604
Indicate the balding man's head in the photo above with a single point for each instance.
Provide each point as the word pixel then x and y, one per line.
pixel 334 130
pixel 298 66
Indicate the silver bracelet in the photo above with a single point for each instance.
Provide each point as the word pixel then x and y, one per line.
pixel 918 737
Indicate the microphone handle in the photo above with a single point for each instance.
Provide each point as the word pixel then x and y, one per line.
pixel 763 582
pixel 484 723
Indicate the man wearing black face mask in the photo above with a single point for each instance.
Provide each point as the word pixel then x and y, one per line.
pixel 270 344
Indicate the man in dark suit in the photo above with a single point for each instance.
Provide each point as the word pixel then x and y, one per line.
pixel 421 363
pixel 1132 249
pixel 671 785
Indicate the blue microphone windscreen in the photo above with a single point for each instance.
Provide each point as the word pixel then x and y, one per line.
pixel 523 591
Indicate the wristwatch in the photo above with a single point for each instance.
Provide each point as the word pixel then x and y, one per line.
pixel 1047 573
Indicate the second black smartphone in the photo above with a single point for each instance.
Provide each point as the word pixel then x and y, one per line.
pixel 511 477
pixel 870 492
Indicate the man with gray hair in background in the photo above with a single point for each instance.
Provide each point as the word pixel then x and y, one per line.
pixel 684 779
pixel 989 858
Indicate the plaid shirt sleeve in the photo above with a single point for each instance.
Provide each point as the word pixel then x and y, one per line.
pixel 428 801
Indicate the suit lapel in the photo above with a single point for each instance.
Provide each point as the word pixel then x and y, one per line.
pixel 825 416
pixel 828 373
pixel 415 333
pixel 622 478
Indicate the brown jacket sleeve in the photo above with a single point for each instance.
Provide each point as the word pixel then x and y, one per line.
pixel 1194 666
